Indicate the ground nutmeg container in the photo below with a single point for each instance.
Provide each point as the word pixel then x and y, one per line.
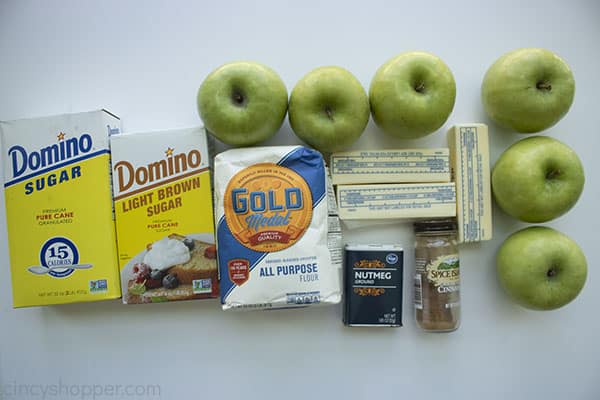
pixel 373 285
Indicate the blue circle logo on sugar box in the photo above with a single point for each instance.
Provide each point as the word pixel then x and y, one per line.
pixel 391 258
pixel 58 254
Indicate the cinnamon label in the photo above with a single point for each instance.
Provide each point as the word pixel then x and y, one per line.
pixel 443 272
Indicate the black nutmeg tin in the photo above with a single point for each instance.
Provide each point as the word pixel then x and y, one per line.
pixel 373 285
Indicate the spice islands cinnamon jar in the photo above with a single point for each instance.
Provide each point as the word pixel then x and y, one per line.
pixel 437 278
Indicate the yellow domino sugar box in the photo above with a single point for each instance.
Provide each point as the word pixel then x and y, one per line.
pixel 164 213
pixel 59 211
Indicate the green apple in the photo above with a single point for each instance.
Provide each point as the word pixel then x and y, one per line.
pixel 537 179
pixel 412 95
pixel 541 268
pixel 329 109
pixel 242 103
pixel 528 90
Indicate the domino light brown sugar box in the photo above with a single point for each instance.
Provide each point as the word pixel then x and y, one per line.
pixel 164 213
pixel 61 231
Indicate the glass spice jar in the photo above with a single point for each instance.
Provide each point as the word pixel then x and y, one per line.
pixel 437 279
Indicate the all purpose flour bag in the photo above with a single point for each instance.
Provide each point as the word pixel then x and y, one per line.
pixel 272 223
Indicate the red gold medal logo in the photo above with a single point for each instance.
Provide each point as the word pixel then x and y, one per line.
pixel 267 207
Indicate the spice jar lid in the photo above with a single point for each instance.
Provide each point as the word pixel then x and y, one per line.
pixel 435 225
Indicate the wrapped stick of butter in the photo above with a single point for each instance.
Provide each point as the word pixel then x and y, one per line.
pixel 390 166
pixel 470 163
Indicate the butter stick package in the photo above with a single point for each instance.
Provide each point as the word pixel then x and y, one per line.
pixel 164 212
pixel 390 166
pixel 59 211
pixel 470 163
pixel 396 201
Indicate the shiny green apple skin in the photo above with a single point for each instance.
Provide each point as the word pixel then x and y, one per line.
pixel 329 109
pixel 412 95
pixel 528 90
pixel 242 103
pixel 537 179
pixel 541 268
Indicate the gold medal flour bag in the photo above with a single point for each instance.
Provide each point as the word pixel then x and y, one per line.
pixel 272 229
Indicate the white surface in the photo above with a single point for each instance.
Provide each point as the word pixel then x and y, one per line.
pixel 145 60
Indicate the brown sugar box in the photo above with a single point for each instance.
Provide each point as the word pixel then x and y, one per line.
pixel 163 208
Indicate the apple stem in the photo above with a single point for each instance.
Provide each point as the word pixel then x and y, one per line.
pixel 329 112
pixel 544 85
pixel 238 98
pixel 551 272
pixel 420 87
pixel 553 174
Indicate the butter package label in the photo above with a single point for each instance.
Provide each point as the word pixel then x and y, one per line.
pixel 59 211
pixel 470 163
pixel 163 206
pixel 272 229
pixel 390 166
pixel 396 201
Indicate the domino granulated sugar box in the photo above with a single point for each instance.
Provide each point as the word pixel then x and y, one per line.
pixel 61 230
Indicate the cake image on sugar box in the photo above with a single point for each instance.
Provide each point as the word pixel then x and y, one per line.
pixel 164 215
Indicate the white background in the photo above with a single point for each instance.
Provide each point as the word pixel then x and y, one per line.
pixel 145 60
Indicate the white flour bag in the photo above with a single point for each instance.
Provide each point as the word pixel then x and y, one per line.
pixel 272 224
